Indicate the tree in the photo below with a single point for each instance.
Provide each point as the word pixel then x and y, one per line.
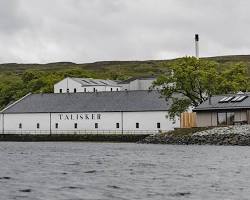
pixel 190 81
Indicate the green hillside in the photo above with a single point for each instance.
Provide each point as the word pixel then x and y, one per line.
pixel 17 80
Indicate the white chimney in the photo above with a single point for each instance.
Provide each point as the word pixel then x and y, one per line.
pixel 197 46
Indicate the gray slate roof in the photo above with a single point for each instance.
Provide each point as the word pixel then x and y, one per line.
pixel 90 102
pixel 90 82
pixel 215 105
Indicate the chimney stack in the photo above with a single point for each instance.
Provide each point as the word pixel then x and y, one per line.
pixel 197 46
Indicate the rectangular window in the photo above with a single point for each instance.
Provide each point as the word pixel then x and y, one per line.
pixel 37 125
pixel 230 118
pixel 225 118
pixel 117 125
pixel 56 125
pixel 96 125
pixel 75 125
pixel 137 125
pixel 222 119
pixel 158 125
pixel 60 90
pixel 74 90
pixel 20 126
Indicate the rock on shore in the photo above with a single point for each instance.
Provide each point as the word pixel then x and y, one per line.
pixel 231 135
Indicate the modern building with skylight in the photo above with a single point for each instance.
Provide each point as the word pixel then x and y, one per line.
pixel 74 85
pixel 224 110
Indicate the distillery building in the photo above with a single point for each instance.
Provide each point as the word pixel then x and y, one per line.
pixel 222 110
pixel 88 112
pixel 74 85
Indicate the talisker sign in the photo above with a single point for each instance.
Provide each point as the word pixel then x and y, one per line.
pixel 81 116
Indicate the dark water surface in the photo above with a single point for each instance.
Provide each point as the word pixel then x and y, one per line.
pixel 122 171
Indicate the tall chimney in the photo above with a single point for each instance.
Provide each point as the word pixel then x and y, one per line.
pixel 197 46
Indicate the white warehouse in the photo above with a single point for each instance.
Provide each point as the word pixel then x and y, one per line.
pixel 95 112
pixel 74 85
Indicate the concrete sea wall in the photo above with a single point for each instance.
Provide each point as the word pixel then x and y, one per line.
pixel 72 137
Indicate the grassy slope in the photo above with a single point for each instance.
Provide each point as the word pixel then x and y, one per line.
pixel 151 67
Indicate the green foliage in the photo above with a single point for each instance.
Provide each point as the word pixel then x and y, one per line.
pixel 191 81
pixel 16 80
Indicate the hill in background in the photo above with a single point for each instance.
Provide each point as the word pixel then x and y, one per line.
pixel 17 80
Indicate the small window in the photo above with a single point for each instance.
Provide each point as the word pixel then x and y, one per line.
pixel 117 125
pixel 94 89
pixel 85 90
pixel 37 125
pixel 75 125
pixel 158 125
pixel 137 125
pixel 96 125
pixel 56 125
pixel 60 90
pixel 74 90
pixel 111 89
pixel 20 126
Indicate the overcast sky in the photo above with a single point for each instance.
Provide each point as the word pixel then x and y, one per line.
pixel 94 30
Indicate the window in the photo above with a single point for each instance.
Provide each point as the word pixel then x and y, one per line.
pixel 137 125
pixel 56 125
pixel 20 126
pixel 60 90
pixel 158 125
pixel 37 125
pixel 74 90
pixel 75 125
pixel 117 125
pixel 85 90
pixel 111 89
pixel 230 118
pixel 225 118
pixel 96 125
pixel 93 89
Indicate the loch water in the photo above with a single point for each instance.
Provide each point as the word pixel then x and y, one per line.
pixel 122 171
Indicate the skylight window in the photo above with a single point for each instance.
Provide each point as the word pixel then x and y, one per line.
pixel 223 99
pixel 233 99
pixel 226 99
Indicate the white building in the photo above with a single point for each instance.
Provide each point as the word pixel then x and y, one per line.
pixel 143 83
pixel 101 112
pixel 73 85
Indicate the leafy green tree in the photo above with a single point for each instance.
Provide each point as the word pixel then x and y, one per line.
pixel 190 81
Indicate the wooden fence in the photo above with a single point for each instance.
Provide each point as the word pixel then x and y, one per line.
pixel 188 120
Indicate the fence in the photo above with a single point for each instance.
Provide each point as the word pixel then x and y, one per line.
pixel 188 120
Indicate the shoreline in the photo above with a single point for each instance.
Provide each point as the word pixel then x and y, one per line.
pixel 126 138
pixel 231 135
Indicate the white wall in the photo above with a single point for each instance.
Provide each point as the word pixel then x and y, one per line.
pixel 65 84
pixel 71 84
pixel 138 84
pixel 86 122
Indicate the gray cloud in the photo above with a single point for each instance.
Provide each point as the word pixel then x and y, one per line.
pixel 85 31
